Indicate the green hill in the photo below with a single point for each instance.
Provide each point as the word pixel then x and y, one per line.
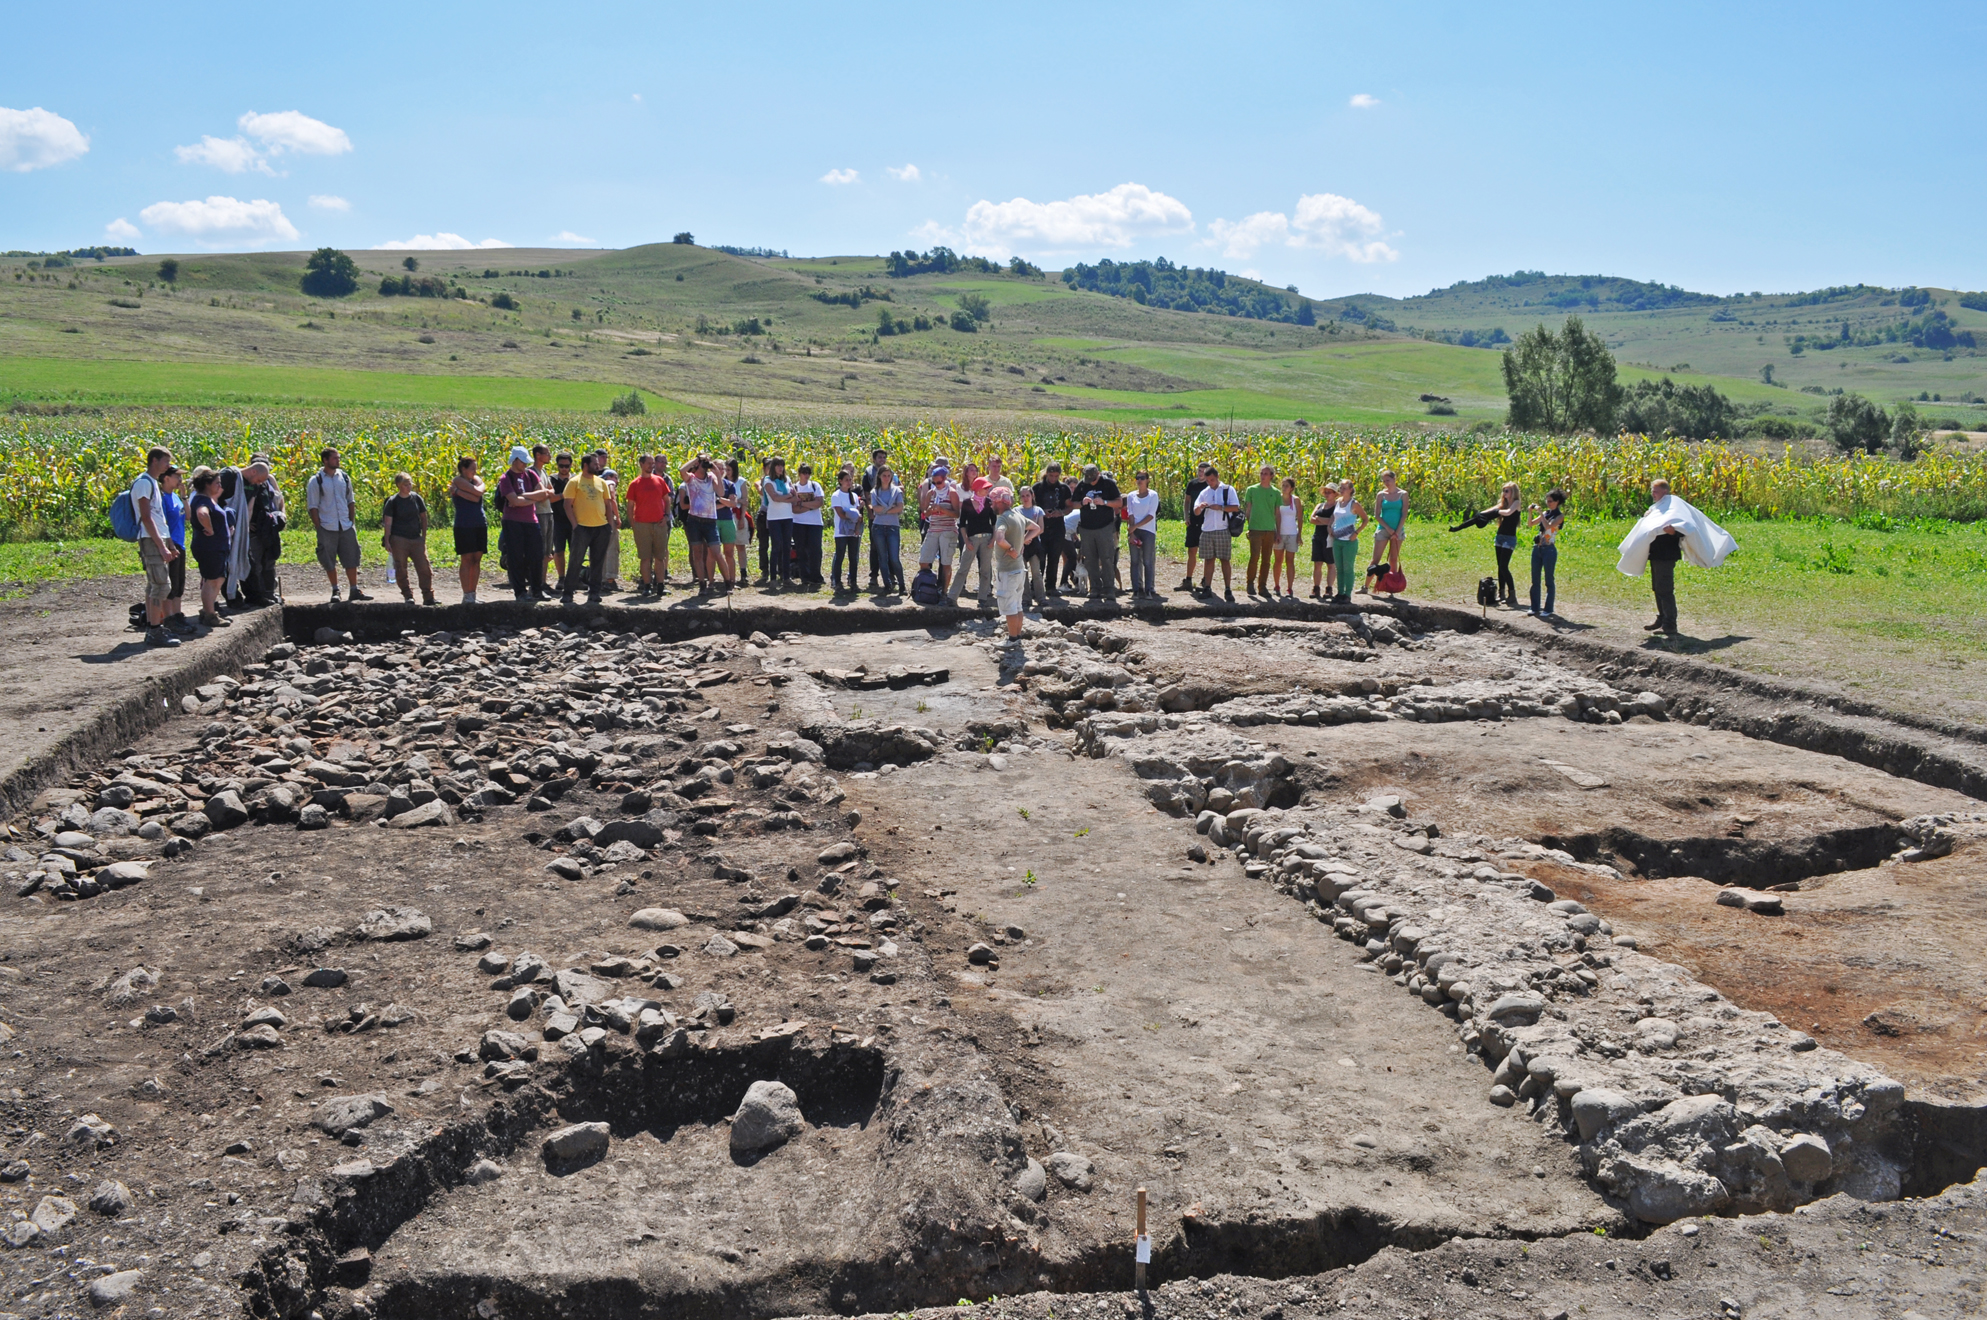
pixel 702 328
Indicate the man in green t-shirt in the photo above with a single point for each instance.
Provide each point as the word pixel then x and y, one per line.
pixel 1259 502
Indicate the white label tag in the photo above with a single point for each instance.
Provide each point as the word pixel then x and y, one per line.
pixel 1143 1246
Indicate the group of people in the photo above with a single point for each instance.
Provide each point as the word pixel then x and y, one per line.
pixel 229 520
pixel 1023 543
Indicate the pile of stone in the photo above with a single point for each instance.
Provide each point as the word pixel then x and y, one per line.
pixel 420 732
pixel 1681 1102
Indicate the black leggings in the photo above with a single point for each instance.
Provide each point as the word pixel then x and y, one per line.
pixel 1507 586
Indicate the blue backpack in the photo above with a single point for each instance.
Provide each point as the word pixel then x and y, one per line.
pixel 124 517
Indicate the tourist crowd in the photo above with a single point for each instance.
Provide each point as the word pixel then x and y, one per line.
pixel 1021 543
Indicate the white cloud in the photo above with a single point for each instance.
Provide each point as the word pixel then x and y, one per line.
pixel 1115 219
pixel 1341 227
pixel 33 139
pixel 1363 101
pixel 292 130
pixel 1325 222
pixel 442 242
pixel 121 228
pixel 286 130
pixel 568 236
pixel 1240 238
pixel 907 173
pixel 235 155
pixel 222 221
pixel 638 98
pixel 840 176
pixel 328 202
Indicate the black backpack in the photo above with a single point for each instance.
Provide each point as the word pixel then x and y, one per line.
pixel 1486 592
pixel 925 589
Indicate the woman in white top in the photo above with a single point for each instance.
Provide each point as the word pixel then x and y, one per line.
pixel 1142 512
pixel 777 496
pixel 808 497
pixel 1283 568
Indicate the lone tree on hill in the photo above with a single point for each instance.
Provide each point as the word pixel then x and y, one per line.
pixel 684 237
pixel 330 274
pixel 411 263
pixel 169 270
pixel 1561 383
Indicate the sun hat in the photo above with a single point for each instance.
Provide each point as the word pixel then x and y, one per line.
pixel 519 454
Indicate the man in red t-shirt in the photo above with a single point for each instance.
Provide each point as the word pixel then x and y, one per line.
pixel 649 496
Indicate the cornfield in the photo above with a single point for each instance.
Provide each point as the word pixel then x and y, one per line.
pixel 60 473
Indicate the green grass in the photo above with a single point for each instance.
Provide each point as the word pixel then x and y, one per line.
pixel 208 383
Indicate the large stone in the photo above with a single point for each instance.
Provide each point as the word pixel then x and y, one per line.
pixel 114 1289
pixel 428 813
pixel 576 988
pixel 52 1214
pixel 1032 1183
pixel 1662 1192
pixel 768 1116
pixel 111 1199
pixel 119 874
pixel 1072 1170
pixel 1806 1158
pixel 640 833
pixel 341 1114
pixel 1516 1009
pixel 1596 1109
pixel 581 1141
pixel 395 923
pixel 658 919
pixel 225 810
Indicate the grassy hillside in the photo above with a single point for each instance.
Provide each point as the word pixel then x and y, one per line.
pixel 1660 328
pixel 709 330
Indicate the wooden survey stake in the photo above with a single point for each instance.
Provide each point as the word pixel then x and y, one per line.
pixel 1142 1247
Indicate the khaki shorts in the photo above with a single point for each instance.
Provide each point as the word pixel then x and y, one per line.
pixel 940 545
pixel 158 574
pixel 1009 587
pixel 340 547
pixel 651 539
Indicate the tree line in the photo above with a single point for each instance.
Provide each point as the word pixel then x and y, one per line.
pixel 1160 283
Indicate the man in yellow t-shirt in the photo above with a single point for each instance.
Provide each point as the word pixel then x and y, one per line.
pixel 596 520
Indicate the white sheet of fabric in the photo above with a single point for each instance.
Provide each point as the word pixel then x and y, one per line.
pixel 238 547
pixel 1705 543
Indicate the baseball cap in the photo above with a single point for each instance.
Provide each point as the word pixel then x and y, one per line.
pixel 519 454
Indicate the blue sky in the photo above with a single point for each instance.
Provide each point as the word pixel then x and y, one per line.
pixel 1339 147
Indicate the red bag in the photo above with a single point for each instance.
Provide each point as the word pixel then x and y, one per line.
pixel 1393 582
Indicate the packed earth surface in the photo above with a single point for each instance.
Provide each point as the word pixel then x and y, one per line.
pixel 1374 964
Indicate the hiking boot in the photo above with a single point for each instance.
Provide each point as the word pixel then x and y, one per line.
pixel 179 623
pixel 213 620
pixel 1657 626
pixel 158 636
pixel 1230 595
pixel 357 594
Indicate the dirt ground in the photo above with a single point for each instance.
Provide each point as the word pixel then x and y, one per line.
pixel 1023 1000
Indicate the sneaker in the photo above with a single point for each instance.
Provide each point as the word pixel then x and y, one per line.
pixel 334 596
pixel 1186 584
pixel 179 623
pixel 1547 614
pixel 1230 595
pixel 429 600
pixel 160 637
pixel 357 594
pixel 468 598
pixel 565 600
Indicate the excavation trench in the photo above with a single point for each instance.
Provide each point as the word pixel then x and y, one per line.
pixel 1747 863
pixel 394 1234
